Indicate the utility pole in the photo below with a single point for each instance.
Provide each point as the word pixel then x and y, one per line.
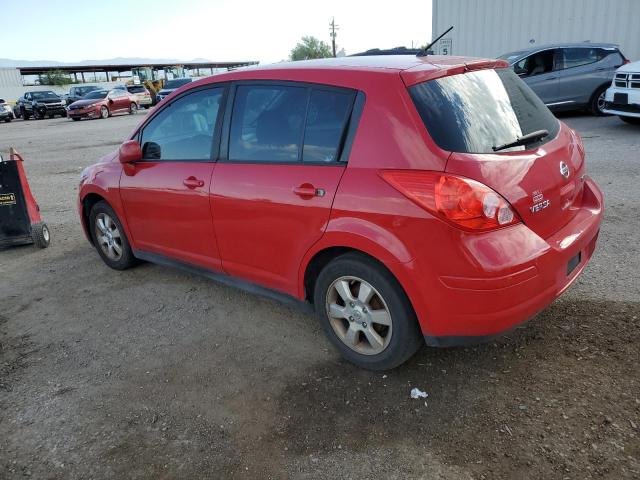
pixel 333 35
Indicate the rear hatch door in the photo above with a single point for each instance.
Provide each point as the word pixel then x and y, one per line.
pixel 472 113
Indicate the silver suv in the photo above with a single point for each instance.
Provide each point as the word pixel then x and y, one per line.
pixel 569 76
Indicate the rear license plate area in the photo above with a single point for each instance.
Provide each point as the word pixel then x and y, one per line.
pixel 573 263
pixel 621 98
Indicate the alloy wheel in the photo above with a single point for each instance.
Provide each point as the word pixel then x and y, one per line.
pixel 359 315
pixel 108 236
pixel 104 112
pixel 601 101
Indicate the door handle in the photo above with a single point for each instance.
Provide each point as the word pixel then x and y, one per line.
pixel 192 182
pixel 307 191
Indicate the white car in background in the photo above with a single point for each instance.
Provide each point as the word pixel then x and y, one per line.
pixel 623 96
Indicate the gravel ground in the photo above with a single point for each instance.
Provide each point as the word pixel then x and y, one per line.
pixel 157 374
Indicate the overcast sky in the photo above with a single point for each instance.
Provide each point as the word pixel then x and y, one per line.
pixel 222 30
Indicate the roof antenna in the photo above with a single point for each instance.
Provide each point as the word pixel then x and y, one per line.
pixel 424 52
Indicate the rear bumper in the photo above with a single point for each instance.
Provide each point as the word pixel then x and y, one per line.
pixel 514 274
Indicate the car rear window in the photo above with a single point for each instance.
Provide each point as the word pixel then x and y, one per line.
pixel 476 111
pixel 136 89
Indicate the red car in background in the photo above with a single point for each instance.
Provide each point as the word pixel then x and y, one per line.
pixel 408 199
pixel 103 104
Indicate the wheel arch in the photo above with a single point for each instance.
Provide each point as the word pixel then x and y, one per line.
pixel 87 203
pixel 317 259
pixel 592 97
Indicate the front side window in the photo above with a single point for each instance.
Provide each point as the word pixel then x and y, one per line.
pixel 536 64
pixel 476 111
pixel 267 123
pixel 184 129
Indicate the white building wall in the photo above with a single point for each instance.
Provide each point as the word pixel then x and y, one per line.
pixel 489 28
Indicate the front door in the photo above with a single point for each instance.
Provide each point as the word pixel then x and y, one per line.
pixel 166 196
pixel 539 72
pixel 274 184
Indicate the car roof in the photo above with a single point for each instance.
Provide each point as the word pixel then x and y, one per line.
pixel 360 62
pixel 411 68
pixel 526 51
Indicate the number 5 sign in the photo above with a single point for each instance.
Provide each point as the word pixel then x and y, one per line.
pixel 445 46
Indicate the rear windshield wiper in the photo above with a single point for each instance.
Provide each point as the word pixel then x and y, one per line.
pixel 523 140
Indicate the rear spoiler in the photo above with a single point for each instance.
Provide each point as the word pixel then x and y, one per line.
pixel 445 66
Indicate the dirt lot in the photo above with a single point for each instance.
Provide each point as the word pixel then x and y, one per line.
pixel 157 374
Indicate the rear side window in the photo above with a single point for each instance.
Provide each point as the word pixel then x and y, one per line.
pixel 282 123
pixel 327 118
pixel 267 123
pixel 476 111
pixel 136 89
pixel 576 57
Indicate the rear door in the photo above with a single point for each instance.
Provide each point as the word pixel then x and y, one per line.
pixel 583 70
pixel 279 168
pixel 166 195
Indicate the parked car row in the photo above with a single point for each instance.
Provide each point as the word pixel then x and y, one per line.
pixel 82 102
pixel 86 101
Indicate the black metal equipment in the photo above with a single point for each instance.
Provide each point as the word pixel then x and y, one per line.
pixel 20 221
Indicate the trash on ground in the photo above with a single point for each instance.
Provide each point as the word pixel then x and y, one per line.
pixel 417 393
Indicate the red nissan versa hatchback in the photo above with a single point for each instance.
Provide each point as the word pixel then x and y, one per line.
pixel 408 199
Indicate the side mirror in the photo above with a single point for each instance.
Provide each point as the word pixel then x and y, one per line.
pixel 1 100
pixel 130 152
pixel 110 100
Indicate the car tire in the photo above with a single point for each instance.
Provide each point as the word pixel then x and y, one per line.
pixel 7 120
pixel 109 237
pixel 24 114
pixel 63 115
pixel 376 328
pixel 133 108
pixel 75 119
pixel 40 234
pixel 630 120
pixel 104 112
pixel 596 103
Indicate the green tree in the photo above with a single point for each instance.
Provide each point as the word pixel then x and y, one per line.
pixel 310 47
pixel 55 77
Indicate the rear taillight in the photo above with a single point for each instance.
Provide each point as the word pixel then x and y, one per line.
pixel 461 201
